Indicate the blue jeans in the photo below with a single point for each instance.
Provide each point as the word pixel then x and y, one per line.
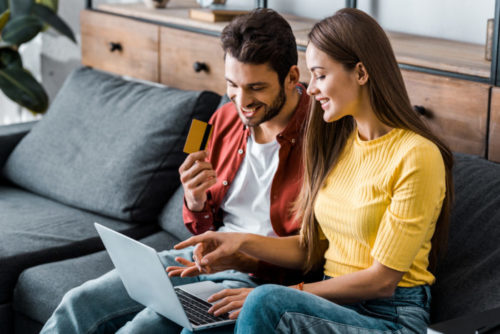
pixel 277 309
pixel 103 305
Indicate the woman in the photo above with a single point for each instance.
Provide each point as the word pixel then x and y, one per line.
pixel 375 202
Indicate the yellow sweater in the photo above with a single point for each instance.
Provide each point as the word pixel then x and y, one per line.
pixel 381 202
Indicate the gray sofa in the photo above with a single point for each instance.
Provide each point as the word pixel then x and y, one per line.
pixel 108 151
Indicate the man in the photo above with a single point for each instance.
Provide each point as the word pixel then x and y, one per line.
pixel 246 181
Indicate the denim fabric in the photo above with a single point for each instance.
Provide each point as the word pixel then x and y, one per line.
pixel 277 309
pixel 104 306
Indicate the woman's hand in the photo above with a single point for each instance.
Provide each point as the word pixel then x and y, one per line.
pixel 213 249
pixel 228 300
pixel 237 261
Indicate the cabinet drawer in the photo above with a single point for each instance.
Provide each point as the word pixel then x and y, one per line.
pixel 191 60
pixel 456 110
pixel 120 45
pixel 494 140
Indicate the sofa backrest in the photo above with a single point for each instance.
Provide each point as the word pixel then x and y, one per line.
pixel 171 219
pixel 10 135
pixel 468 279
pixel 109 145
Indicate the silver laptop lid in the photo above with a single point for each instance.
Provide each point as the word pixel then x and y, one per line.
pixel 143 275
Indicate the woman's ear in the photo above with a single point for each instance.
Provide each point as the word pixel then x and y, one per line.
pixel 361 74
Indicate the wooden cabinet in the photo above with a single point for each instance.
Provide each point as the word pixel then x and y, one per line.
pixel 456 110
pixel 494 129
pixel 166 46
pixel 120 45
pixel 190 60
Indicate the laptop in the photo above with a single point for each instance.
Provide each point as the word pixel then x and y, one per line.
pixel 147 282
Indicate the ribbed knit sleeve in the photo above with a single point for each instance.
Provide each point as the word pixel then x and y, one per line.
pixel 418 193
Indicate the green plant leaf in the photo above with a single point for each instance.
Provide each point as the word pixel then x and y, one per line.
pixel 21 29
pixel 4 18
pixel 21 87
pixel 20 7
pixel 10 58
pixel 52 4
pixel 48 16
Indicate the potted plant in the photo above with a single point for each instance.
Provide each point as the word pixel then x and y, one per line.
pixel 21 21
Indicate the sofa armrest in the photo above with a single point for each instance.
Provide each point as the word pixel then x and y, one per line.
pixel 10 136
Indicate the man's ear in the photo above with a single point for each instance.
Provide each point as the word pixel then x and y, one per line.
pixel 361 74
pixel 292 79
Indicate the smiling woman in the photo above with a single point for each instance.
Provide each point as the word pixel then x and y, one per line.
pixel 374 204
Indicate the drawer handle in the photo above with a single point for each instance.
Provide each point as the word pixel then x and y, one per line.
pixel 115 47
pixel 199 67
pixel 422 111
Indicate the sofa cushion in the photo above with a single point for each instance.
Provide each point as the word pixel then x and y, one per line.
pixel 10 135
pixel 36 296
pixel 469 276
pixel 171 217
pixel 109 145
pixel 36 230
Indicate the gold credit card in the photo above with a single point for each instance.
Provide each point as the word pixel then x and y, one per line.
pixel 198 137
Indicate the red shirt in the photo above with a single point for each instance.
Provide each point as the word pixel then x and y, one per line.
pixel 227 149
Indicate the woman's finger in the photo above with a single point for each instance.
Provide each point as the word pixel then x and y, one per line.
pixel 234 315
pixel 231 306
pixel 190 272
pixel 184 262
pixel 223 293
pixel 175 272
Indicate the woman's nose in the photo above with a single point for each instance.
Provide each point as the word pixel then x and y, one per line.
pixel 311 88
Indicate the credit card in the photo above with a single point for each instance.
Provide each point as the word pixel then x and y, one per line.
pixel 198 137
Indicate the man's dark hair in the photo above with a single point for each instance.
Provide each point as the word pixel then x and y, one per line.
pixel 262 36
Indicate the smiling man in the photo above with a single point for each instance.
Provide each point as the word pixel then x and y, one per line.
pixel 246 181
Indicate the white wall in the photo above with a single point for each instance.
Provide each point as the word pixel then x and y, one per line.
pixel 463 20
pixel 52 56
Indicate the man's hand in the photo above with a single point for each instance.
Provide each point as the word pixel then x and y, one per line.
pixel 197 175
pixel 228 300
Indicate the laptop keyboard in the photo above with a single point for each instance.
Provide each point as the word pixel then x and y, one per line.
pixel 197 309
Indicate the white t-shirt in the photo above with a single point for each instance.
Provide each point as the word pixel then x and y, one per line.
pixel 246 206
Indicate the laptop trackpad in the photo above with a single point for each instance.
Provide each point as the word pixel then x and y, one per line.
pixel 203 289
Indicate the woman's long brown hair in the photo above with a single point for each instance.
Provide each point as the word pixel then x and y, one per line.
pixel 349 37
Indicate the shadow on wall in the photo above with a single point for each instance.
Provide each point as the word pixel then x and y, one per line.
pixel 54 72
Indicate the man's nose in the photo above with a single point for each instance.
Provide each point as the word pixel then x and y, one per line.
pixel 243 99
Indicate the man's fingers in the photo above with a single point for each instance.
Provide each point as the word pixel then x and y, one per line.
pixel 191 159
pixel 200 183
pixel 192 179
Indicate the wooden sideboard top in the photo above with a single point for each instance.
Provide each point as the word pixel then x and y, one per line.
pixel 434 53
pixel 177 13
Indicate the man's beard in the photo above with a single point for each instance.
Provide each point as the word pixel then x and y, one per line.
pixel 273 110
